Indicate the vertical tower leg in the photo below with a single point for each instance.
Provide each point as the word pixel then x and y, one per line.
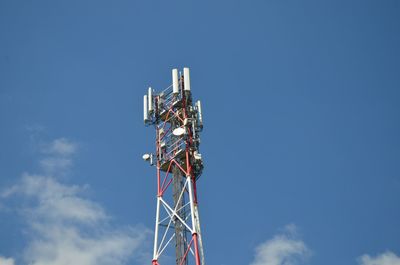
pixel 180 230
pixel 194 219
pixel 155 250
pixel 200 239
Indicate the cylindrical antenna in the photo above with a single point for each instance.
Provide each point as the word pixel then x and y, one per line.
pixel 150 98
pixel 198 104
pixel 186 78
pixel 175 84
pixel 145 109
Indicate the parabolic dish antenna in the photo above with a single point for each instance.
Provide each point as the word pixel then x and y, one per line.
pixel 178 131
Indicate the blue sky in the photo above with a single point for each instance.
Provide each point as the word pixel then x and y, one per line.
pixel 300 142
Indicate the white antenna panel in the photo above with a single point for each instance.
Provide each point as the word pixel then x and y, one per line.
pixel 175 82
pixel 198 103
pixel 186 78
pixel 145 109
pixel 150 98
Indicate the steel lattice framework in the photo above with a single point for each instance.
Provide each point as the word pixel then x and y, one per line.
pixel 177 121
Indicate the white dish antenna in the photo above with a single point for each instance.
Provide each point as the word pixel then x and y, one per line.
pixel 146 157
pixel 178 131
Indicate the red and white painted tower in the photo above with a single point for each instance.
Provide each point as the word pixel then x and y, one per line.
pixel 178 122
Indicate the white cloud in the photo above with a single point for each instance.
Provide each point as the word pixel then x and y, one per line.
pixel 282 249
pixel 64 245
pixel 58 156
pixel 64 227
pixel 61 146
pixel 56 202
pixel 386 258
pixel 55 164
pixel 6 261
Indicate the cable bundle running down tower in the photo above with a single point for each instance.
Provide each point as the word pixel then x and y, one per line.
pixel 178 122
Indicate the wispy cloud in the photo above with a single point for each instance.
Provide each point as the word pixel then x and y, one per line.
pixel 283 249
pixel 54 201
pixel 6 261
pixel 64 226
pixel 58 156
pixel 386 258
pixel 60 147
pixel 55 165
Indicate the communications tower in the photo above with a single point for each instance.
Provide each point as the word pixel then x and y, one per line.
pixel 178 122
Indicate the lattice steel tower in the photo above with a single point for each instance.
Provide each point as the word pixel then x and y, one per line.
pixel 177 121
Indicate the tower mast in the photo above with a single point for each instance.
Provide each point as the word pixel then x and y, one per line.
pixel 178 122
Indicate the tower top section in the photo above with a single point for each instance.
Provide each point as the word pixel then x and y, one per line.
pixel 177 95
pixel 178 121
